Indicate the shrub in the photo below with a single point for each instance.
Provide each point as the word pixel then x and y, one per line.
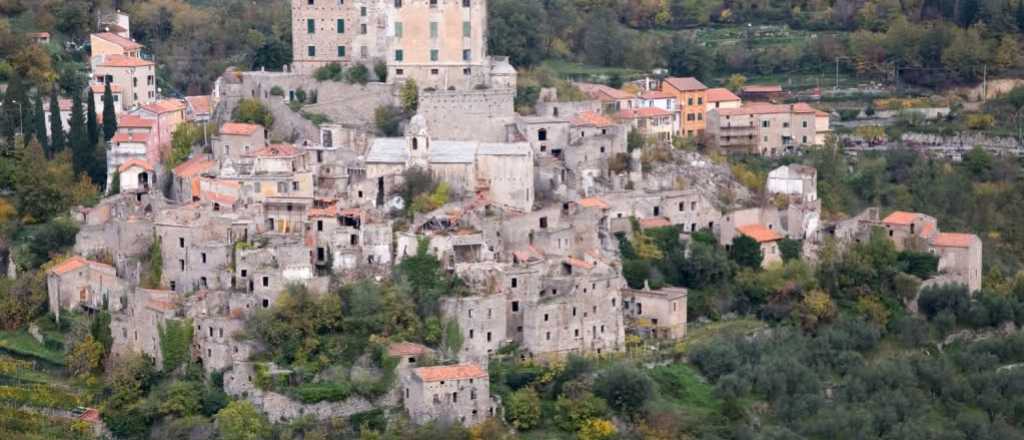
pixel 625 388
pixel 380 69
pixel 323 391
pixel 276 91
pixel 980 121
pixel 522 410
pixel 388 120
pixel 300 95
pixel 330 72
pixel 253 111
pixel 358 74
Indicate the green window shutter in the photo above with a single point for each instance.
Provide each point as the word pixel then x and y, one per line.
pixel 341 51
pixel 341 26
pixel 466 29
pixel 399 56
pixel 310 26
pixel 399 29
pixel 433 29
pixel 311 50
pixel 433 54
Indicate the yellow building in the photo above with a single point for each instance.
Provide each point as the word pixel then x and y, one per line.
pixel 690 94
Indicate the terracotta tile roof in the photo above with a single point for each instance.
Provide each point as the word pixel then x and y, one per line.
pixel 450 372
pixel 91 415
pixel 646 112
pixel 132 121
pixel 222 199
pixel 657 94
pixel 593 202
pixel 803 107
pixel 165 106
pixel 98 88
pixel 124 61
pixel 194 166
pixel 761 88
pixel 330 211
pixel 39 34
pixel 720 95
pixel 277 150
pixel 239 129
pixel 406 349
pixel 654 222
pixel 160 306
pixel 578 263
pixel 125 43
pixel 685 84
pixel 591 119
pixel 599 91
pixel 763 108
pixel 529 254
pixel 134 163
pixel 901 218
pixel 76 262
pixel 200 104
pixel 122 136
pixel 949 239
pixel 759 233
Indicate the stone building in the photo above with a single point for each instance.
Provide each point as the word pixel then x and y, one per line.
pixel 767 239
pixel 439 43
pixel 136 78
pixel 166 114
pixel 652 122
pixel 767 129
pixel 136 176
pixel 502 171
pixel 455 393
pixel 960 258
pixel 721 98
pixel 77 282
pixel 910 230
pixel 136 327
pixel 236 140
pixel 659 313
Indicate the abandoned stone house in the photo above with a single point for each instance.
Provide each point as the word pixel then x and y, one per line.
pixel 78 282
pixel 660 313
pixel 960 255
pixel 135 328
pixel 455 393
pixel 236 140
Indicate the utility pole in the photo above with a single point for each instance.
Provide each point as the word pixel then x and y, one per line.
pixel 984 83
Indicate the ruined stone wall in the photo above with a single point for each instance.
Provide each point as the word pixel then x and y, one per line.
pixel 483 321
pixel 480 115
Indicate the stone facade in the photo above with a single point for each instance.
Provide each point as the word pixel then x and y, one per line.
pixel 658 313
pixel 766 129
pixel 456 393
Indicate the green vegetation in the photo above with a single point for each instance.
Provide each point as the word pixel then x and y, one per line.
pixel 330 72
pixel 253 111
pixel 185 136
pixel 175 342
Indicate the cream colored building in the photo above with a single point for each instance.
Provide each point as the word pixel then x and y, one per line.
pixel 767 129
pixel 135 77
pixel 440 43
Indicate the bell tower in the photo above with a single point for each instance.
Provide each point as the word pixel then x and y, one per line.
pixel 417 139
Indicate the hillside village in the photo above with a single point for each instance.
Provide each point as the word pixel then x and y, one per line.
pixel 520 237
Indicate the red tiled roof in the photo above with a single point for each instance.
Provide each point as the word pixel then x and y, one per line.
pixel 578 263
pixel 759 233
pixel 803 107
pixel 39 34
pixel 134 163
pixel 597 91
pixel 901 218
pixel 950 239
pixel 160 306
pixel 763 108
pixel 77 262
pixel 528 254
pixel 646 112
pixel 194 166
pixel 222 199
pixel 98 88
pixel 200 104
pixel 122 136
pixel 239 129
pixel 685 84
pixel 719 95
pixel 654 222
pixel 593 202
pixel 591 119
pixel 132 121
pixel 125 43
pixel 450 372
pixel 91 415
pixel 276 150
pixel 406 349
pixel 763 88
pixel 330 211
pixel 164 106
pixel 124 61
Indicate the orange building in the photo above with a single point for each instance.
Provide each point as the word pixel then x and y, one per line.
pixel 690 94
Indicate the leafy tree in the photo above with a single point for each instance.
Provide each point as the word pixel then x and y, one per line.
pixel 175 342
pixel 522 409
pixel 85 357
pixel 109 113
pixel 687 57
pixel 635 139
pixel 597 429
pixel 99 328
pixel 516 28
pixel 573 412
pixel 625 388
pixel 56 126
pixel 240 420
pixel 409 96
pixel 22 299
pixel 746 252
pixel 388 120
pixel 329 72
pixel 181 399
pixel 950 297
pixel 735 82
pixel 254 112
pixel 185 135
pixel 790 249
pixel 44 189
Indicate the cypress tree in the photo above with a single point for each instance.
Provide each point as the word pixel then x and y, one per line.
pixel 56 126
pixel 78 138
pixel 10 111
pixel 90 117
pixel 39 120
pixel 1020 16
pixel 98 167
pixel 110 113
